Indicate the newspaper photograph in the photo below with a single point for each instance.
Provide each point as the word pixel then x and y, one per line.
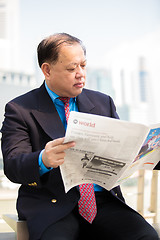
pixel 107 150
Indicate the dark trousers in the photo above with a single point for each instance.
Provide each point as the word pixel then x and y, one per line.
pixel 114 221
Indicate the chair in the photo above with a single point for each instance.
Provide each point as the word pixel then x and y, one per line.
pixel 20 227
pixel 153 206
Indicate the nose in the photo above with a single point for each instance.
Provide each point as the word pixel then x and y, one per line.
pixel 81 72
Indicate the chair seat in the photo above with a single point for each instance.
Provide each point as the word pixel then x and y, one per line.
pixel 20 227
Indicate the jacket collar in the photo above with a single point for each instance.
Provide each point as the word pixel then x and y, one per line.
pixel 48 117
pixel 84 103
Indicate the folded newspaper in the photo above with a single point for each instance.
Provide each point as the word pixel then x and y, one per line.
pixel 107 151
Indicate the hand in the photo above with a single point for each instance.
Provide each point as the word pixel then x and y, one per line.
pixel 53 155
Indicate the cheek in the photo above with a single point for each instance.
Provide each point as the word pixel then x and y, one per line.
pixel 70 78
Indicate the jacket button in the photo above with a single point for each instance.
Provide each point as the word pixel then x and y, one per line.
pixel 53 200
pixel 34 184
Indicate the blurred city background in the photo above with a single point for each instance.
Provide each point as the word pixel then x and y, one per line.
pixel 123 60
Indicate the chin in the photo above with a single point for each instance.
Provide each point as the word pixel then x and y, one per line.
pixel 78 92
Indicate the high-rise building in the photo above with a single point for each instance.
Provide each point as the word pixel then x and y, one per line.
pixel 135 74
pixel 123 109
pixel 143 81
pixel 100 80
pixel 12 81
pixel 9 35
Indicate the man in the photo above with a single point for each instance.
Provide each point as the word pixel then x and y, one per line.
pixel 33 149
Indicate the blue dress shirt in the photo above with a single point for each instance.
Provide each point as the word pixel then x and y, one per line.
pixel 60 109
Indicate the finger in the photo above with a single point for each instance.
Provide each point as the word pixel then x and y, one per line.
pixel 57 163
pixel 54 143
pixel 57 142
pixel 51 159
pixel 60 156
pixel 63 147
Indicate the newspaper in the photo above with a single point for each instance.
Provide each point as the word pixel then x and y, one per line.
pixel 107 151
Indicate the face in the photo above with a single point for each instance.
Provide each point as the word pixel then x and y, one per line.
pixel 67 77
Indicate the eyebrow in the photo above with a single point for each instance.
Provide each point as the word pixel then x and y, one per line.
pixel 73 63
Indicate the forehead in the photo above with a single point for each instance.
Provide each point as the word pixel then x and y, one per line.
pixel 71 54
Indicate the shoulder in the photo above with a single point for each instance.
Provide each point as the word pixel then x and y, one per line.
pixel 28 99
pixel 93 92
pixel 103 103
pixel 96 95
pixel 25 96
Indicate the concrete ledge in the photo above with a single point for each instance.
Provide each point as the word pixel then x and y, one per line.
pixel 157 227
pixel 8 236
pixel 20 227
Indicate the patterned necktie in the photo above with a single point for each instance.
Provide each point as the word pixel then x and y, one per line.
pixel 87 203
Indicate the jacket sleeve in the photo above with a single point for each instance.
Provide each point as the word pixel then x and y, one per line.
pixel 157 167
pixel 20 162
pixel 113 109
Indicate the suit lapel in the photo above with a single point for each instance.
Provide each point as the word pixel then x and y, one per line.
pixel 84 103
pixel 47 115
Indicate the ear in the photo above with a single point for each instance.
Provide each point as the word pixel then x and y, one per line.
pixel 46 69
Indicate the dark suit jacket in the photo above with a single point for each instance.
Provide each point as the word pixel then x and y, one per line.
pixel 31 120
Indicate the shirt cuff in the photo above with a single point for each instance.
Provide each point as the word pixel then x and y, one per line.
pixel 42 168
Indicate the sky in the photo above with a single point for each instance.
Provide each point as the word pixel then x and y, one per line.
pixel 102 25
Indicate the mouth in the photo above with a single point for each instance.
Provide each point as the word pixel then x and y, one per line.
pixel 79 85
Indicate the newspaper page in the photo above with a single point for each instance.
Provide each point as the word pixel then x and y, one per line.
pixel 148 156
pixel 105 149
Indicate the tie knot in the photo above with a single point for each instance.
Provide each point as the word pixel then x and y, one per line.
pixel 65 100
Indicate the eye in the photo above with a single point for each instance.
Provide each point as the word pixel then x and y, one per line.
pixel 71 69
pixel 83 65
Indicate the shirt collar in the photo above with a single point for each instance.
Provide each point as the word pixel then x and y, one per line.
pixel 53 95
